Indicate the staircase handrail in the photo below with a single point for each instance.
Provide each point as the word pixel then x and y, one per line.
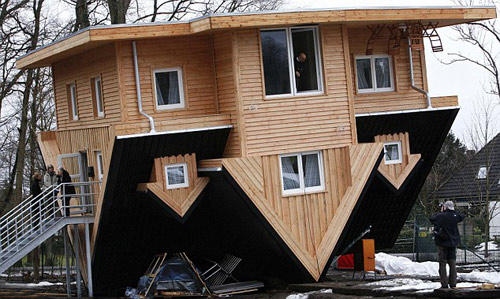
pixel 27 201
pixel 27 218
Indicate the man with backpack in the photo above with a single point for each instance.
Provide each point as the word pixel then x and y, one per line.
pixel 447 238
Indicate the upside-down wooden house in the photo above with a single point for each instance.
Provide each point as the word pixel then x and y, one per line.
pixel 275 136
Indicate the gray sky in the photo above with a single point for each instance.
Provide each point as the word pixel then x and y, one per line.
pixel 462 79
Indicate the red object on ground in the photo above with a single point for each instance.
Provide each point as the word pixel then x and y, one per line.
pixel 346 262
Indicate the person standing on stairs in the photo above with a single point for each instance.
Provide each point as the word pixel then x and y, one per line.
pixel 67 190
pixel 35 191
pixel 50 177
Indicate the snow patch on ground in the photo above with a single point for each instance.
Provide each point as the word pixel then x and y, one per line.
pixel 41 284
pixel 397 265
pixel 306 295
pixel 491 246
pixel 411 284
pixel 477 276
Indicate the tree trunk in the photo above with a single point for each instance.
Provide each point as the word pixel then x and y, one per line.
pixel 82 15
pixel 118 10
pixel 21 148
pixel 33 153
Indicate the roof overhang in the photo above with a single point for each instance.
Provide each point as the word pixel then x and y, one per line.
pixel 92 37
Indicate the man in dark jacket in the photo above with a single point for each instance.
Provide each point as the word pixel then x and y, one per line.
pixel 35 191
pixel 67 190
pixel 447 239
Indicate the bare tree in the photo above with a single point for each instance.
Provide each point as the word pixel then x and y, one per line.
pixel 173 10
pixel 483 40
pixel 10 46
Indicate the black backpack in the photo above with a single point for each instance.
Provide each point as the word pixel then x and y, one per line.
pixel 440 234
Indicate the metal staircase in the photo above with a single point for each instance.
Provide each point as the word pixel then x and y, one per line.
pixel 36 219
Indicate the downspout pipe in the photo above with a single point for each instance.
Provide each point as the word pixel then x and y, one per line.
pixel 427 95
pixel 138 88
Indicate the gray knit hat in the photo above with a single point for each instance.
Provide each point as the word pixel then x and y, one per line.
pixel 449 205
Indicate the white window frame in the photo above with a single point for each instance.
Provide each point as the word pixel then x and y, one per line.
pixel 181 89
pixel 400 152
pixel 482 170
pixel 99 161
pixel 302 189
pixel 374 77
pixel 72 92
pixel 186 177
pixel 99 96
pixel 291 68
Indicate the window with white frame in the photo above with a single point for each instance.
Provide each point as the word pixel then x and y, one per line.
pixel 374 73
pixel 98 96
pixel 301 173
pixel 169 91
pixel 176 176
pixel 72 106
pixel 100 165
pixel 291 61
pixel 392 152
pixel 482 173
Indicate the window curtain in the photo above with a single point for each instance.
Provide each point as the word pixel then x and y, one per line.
pixel 391 152
pixel 290 177
pixel 167 88
pixel 363 69
pixel 173 88
pixel 382 73
pixel 311 170
pixel 175 175
pixel 159 94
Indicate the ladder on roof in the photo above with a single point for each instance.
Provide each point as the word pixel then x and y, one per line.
pixel 38 218
pixel 431 33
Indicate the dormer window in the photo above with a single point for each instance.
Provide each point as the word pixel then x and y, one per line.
pixel 374 73
pixel 482 172
pixel 169 91
pixel 176 176
pixel 393 153
pixel 72 106
pixel 97 98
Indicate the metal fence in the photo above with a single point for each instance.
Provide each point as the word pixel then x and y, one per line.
pixel 471 251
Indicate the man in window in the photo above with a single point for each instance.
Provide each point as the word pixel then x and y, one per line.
pixel 299 70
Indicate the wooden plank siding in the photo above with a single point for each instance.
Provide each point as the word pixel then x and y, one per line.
pixel 448 101
pixel 298 123
pixel 404 97
pixel 192 54
pixel 179 199
pixel 303 221
pixel 226 88
pixel 397 173
pixel 80 69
